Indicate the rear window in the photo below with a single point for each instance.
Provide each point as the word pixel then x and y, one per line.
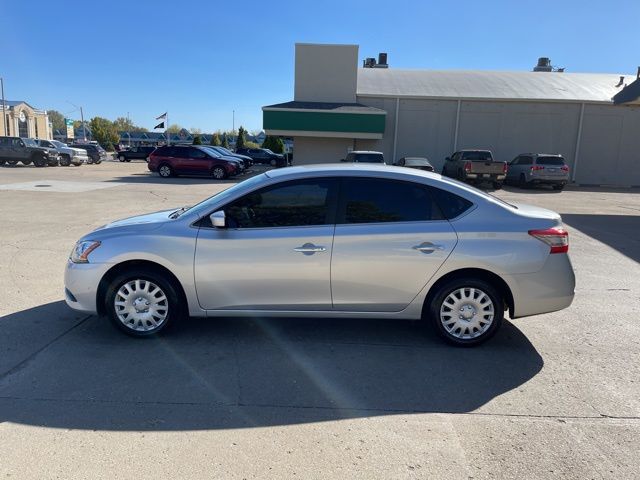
pixel 451 205
pixel 557 161
pixel 368 158
pixel 480 156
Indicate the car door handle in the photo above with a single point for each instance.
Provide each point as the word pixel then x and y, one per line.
pixel 427 247
pixel 310 249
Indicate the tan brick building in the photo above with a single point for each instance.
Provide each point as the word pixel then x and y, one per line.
pixel 22 120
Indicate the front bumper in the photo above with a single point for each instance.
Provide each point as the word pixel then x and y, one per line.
pixel 81 282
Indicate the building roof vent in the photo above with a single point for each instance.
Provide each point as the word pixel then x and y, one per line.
pixel 544 65
pixel 370 62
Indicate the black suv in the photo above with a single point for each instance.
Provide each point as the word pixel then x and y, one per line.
pixel 95 152
pixel 264 156
pixel 25 150
pixel 141 153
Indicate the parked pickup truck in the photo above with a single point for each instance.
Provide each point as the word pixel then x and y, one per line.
pixel 475 166
pixel 25 150
pixel 140 153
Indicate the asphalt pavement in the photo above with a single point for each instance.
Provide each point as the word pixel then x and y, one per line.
pixel 551 396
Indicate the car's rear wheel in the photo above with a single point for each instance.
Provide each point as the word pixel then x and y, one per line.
pixel 218 173
pixel 497 185
pixel 39 161
pixel 121 158
pixel 165 170
pixel 2 161
pixel 12 163
pixel 558 187
pixel 142 303
pixel 273 162
pixel 467 311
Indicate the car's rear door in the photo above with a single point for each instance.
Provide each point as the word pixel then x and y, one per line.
pixel 275 253
pixel 390 239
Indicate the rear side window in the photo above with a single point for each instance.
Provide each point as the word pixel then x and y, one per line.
pixel 480 156
pixel 450 204
pixel 376 200
pixel 554 161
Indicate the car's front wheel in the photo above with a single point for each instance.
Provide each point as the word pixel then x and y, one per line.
pixel 467 311
pixel 121 158
pixel 218 173
pixel 142 303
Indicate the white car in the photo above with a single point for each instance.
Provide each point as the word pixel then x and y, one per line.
pixel 68 155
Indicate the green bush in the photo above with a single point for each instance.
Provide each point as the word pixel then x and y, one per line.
pixel 197 140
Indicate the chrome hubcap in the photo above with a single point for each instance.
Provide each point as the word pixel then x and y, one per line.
pixel 218 173
pixel 164 171
pixel 467 313
pixel 141 305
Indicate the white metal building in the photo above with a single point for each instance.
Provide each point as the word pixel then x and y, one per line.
pixel 338 107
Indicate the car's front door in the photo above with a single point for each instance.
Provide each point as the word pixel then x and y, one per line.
pixel 390 239
pixel 274 254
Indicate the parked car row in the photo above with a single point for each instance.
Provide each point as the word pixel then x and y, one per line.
pixel 479 166
pixel 41 153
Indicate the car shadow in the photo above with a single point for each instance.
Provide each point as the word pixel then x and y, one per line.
pixel 153 178
pixel 621 232
pixel 251 372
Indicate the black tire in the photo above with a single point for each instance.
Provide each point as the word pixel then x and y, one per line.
pixel 165 170
pixel 455 334
pixel 497 185
pixel 273 162
pixel 218 173
pixel 143 327
pixel 2 162
pixel 121 158
pixel 128 160
pixel 522 181
pixel 65 160
pixel 12 163
pixel 28 161
pixel 97 162
pixel 558 187
pixel 40 162
pixel 444 171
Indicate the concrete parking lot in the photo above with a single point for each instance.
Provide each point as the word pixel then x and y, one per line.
pixel 552 396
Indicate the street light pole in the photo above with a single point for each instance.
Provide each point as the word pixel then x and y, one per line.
pixel 4 116
pixel 233 128
pixel 84 130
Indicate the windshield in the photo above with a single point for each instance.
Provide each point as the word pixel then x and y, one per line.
pixel 204 206
pixel 59 144
pixel 211 151
pixel 480 156
pixel 268 151
pixel 555 161
pixel 30 142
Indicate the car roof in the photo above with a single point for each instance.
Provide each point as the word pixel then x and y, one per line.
pixel 366 151
pixel 474 150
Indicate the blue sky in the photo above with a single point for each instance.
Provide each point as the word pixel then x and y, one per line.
pixel 200 60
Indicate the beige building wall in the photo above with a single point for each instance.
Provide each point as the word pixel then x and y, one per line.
pixel 313 150
pixel 326 73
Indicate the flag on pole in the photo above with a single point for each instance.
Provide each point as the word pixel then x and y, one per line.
pixel 162 117
pixel 160 125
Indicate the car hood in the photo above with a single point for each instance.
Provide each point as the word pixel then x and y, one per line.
pixel 150 220
pixel 79 151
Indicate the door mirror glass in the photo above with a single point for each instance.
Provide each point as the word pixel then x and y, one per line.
pixel 218 219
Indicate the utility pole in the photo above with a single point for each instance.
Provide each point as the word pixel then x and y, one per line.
pixel 84 130
pixel 128 129
pixel 4 116
pixel 233 128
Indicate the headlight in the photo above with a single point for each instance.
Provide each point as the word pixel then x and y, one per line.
pixel 82 250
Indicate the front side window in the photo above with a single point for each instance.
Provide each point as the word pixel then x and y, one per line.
pixel 375 200
pixel 290 204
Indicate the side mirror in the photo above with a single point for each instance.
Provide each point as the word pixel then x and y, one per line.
pixel 218 219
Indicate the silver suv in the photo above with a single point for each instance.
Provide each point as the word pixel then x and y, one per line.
pixel 538 168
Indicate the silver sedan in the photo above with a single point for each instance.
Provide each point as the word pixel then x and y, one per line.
pixel 329 241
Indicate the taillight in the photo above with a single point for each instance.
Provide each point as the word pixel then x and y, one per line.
pixel 535 168
pixel 467 166
pixel 565 168
pixel 557 238
pixel 505 168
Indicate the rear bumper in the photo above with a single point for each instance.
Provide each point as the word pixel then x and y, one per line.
pixel 548 290
pixel 489 177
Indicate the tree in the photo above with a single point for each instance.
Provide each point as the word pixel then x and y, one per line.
pixel 174 128
pixel 273 143
pixel 242 138
pixel 197 140
pixel 57 120
pixel 195 131
pixel 225 141
pixel 250 144
pixel 104 132
pixel 215 140
pixel 123 124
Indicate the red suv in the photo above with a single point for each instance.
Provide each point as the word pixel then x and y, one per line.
pixel 191 160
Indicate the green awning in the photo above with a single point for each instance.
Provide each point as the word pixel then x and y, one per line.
pixel 321 119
